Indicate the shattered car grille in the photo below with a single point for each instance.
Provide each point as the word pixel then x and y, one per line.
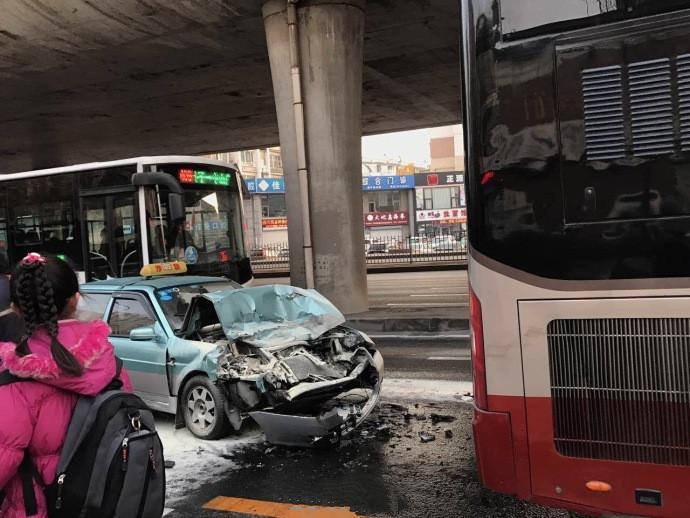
pixel 305 391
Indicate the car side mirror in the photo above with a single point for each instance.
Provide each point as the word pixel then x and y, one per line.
pixel 143 334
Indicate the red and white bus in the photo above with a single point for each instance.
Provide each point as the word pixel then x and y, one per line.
pixel 577 128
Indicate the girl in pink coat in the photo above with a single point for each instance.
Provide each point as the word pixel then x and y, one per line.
pixel 65 357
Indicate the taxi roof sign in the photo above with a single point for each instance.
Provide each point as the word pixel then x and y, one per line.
pixel 156 269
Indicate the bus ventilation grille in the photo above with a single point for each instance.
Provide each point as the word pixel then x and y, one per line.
pixel 604 121
pixel 621 389
pixel 640 109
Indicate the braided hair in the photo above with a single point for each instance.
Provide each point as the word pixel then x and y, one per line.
pixel 41 288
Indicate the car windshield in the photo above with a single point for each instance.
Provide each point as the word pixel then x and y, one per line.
pixel 175 300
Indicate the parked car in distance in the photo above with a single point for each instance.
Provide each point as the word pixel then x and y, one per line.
pixel 377 248
pixel 212 352
pixel 445 244
pixel 419 244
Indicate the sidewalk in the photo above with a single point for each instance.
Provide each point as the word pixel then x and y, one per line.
pixel 425 302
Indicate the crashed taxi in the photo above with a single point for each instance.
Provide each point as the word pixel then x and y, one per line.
pixel 212 352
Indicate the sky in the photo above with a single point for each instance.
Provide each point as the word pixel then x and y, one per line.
pixel 406 146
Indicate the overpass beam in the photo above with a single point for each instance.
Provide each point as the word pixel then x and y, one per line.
pixel 327 81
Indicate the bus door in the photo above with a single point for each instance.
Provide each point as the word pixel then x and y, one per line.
pixel 112 233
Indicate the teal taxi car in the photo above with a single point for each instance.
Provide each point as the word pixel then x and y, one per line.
pixel 212 352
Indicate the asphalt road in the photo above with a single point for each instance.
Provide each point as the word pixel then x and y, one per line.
pixel 441 290
pixel 426 358
pixel 383 470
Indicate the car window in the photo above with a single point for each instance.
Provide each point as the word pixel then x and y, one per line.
pixel 175 300
pixel 92 306
pixel 128 314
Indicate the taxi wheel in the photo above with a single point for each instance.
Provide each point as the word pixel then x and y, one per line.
pixel 203 406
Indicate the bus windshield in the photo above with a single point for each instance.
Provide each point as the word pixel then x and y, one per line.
pixel 211 233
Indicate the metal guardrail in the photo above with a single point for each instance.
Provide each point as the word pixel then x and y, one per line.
pixel 411 250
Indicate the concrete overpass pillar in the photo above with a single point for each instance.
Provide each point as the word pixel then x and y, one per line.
pixel 330 36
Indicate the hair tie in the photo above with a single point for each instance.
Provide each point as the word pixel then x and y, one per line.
pixel 33 260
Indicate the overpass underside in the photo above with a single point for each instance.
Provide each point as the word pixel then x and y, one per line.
pixel 85 80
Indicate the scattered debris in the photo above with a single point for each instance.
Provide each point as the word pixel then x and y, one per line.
pixel 440 418
pixel 169 464
pixel 426 437
pixel 449 434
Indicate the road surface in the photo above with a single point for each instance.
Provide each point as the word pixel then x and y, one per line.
pixel 384 470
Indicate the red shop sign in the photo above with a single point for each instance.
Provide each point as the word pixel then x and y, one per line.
pixel 385 219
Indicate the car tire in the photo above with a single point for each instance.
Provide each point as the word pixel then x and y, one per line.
pixel 203 407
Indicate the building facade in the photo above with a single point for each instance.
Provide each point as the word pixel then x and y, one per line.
pixel 265 210
pixel 440 204
pixel 446 149
pixel 388 207
pixel 399 200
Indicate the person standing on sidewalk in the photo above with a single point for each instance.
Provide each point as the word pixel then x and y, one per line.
pixel 11 324
pixel 63 358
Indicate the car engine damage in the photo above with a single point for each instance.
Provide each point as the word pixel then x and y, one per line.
pixel 288 361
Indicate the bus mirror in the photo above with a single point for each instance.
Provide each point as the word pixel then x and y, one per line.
pixel 176 207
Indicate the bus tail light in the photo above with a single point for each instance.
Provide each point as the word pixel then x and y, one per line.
pixel 478 360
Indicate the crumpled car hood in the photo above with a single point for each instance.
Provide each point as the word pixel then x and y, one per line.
pixel 272 316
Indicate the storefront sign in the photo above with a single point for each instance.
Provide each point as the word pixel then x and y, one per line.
pixel 274 223
pixel 436 179
pixel 443 215
pixel 387 183
pixel 266 185
pixel 384 219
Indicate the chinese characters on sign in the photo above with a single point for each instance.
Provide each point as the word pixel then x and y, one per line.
pixel 204 177
pixel 266 185
pixel 443 215
pixel 436 179
pixel 274 223
pixel 381 219
pixel 383 183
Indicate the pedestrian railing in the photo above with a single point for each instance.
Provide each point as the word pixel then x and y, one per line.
pixel 379 251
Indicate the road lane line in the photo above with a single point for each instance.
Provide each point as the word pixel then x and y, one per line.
pixel 439 295
pixel 448 358
pixel 429 304
pixel 276 509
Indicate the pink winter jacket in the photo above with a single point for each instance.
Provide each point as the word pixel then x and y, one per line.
pixel 35 416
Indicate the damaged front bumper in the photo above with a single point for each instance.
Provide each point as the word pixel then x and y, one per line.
pixel 305 430
pixel 307 391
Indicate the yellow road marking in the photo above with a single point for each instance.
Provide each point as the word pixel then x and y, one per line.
pixel 276 509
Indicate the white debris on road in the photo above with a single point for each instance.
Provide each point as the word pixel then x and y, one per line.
pixel 197 461
pixel 426 390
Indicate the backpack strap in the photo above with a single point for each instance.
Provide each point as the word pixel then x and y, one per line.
pixel 6 312
pixel 116 383
pixel 27 475
pixel 7 378
pixel 27 471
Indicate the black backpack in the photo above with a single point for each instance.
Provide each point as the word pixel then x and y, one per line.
pixel 111 464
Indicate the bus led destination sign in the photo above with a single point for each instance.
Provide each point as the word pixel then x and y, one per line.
pixel 201 177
